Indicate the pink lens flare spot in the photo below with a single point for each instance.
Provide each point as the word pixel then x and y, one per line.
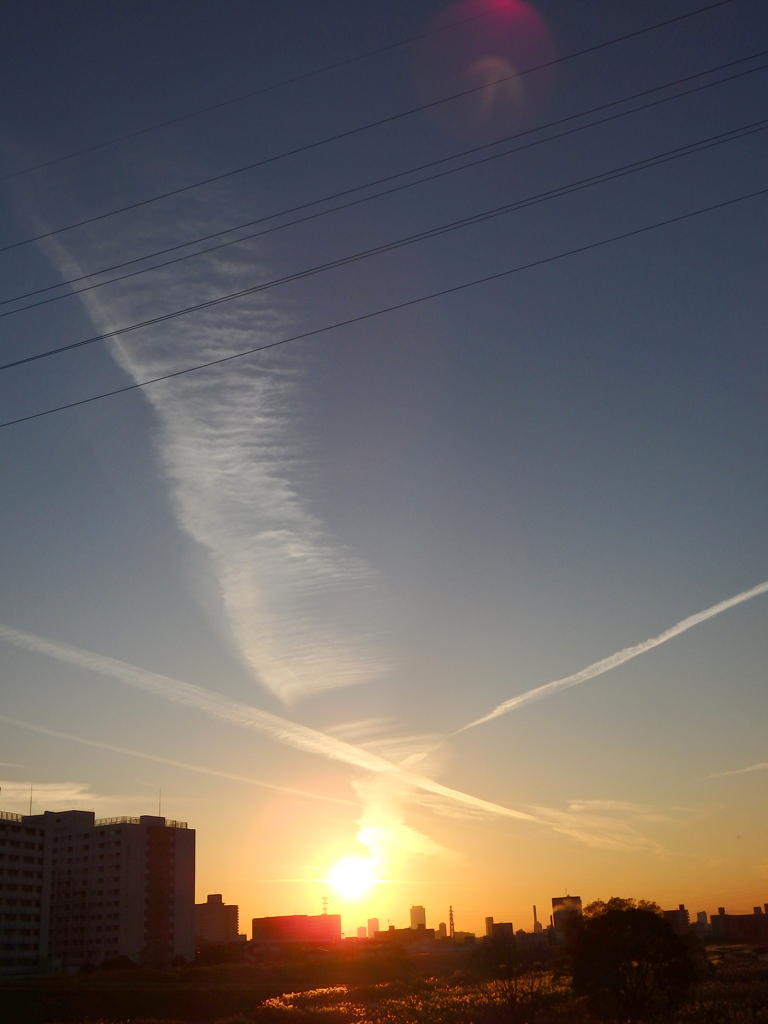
pixel 489 56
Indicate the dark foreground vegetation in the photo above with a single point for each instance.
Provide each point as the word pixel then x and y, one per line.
pixel 624 974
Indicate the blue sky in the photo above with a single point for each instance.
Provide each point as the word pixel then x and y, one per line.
pixel 384 530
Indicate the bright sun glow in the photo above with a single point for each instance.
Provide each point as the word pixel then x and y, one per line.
pixel 352 878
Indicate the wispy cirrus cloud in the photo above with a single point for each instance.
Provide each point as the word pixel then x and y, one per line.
pixel 597 824
pixel 598 668
pixel 384 736
pixel 299 604
pixel 640 812
pixel 51 796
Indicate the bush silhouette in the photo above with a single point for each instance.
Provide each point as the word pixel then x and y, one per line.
pixel 630 965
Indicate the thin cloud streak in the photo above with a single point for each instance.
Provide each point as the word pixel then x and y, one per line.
pixel 245 716
pixel 740 771
pixel 617 659
pixel 600 832
pixel 173 763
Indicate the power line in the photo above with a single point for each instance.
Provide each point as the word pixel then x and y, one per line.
pixel 638 165
pixel 379 181
pixel 290 81
pixel 390 309
pixel 249 95
pixel 352 131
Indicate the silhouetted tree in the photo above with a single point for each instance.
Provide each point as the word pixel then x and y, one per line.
pixel 513 979
pixel 630 964
pixel 598 907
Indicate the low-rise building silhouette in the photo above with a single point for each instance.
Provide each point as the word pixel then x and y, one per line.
pixel 297 928
pixel 740 927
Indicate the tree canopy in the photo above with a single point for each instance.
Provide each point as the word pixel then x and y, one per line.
pixel 630 964
pixel 598 907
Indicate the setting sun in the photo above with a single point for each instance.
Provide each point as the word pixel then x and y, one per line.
pixel 352 878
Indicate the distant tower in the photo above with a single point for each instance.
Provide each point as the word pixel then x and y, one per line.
pixel 536 922
pixel 418 917
pixel 489 927
pixel 325 904
pixel 442 931
pixel 373 927
pixel 451 929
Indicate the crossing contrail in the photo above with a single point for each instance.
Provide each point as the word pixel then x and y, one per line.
pixel 614 660
pixel 217 706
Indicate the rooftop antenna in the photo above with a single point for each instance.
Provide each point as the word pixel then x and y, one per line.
pixel 159 803
pixel 30 797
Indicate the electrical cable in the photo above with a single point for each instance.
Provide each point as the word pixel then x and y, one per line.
pixel 291 81
pixel 250 95
pixel 675 154
pixel 349 132
pixel 452 290
pixel 372 184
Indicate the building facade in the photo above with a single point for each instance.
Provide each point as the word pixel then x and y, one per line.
pixel 418 917
pixel 297 928
pixel 216 922
pixel 741 927
pixel 108 888
pixel 23 914
pixel 679 920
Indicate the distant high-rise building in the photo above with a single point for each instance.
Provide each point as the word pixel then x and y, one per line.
pixel 362 932
pixel 488 927
pixel 418 917
pixel 537 925
pixel 216 922
pixel 701 917
pixel 563 908
pixel 373 926
pixel 442 930
pixel 88 890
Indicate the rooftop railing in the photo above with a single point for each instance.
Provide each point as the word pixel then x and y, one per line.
pixel 126 820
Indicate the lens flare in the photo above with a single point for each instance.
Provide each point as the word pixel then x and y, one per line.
pixel 489 54
pixel 352 878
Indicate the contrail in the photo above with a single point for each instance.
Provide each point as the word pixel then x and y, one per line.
pixel 175 764
pixel 217 706
pixel 614 660
pixel 740 771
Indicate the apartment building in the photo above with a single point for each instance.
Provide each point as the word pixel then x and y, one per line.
pixel 113 887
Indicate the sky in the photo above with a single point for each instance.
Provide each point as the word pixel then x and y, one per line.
pixel 463 574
